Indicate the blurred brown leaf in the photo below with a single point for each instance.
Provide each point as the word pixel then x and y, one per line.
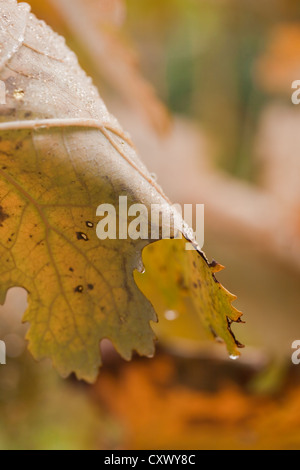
pixel 111 12
pixel 95 24
pixel 279 65
pixel 158 411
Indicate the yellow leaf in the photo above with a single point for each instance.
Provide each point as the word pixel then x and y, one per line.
pixel 191 304
pixel 61 156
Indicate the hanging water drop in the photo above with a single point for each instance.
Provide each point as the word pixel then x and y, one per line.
pixel 234 357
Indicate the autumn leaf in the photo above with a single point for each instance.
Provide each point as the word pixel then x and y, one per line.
pixel 62 155
pixel 186 295
pixel 146 398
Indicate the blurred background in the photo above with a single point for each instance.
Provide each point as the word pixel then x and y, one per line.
pixel 204 87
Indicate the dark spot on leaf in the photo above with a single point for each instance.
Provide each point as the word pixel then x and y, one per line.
pixel 195 285
pixel 19 145
pixel 82 236
pixel 78 289
pixel 181 283
pixel 90 286
pixel 3 216
pixel 71 269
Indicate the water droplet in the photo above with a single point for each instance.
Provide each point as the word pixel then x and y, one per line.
pixel 233 357
pixel 19 94
pixel 171 315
